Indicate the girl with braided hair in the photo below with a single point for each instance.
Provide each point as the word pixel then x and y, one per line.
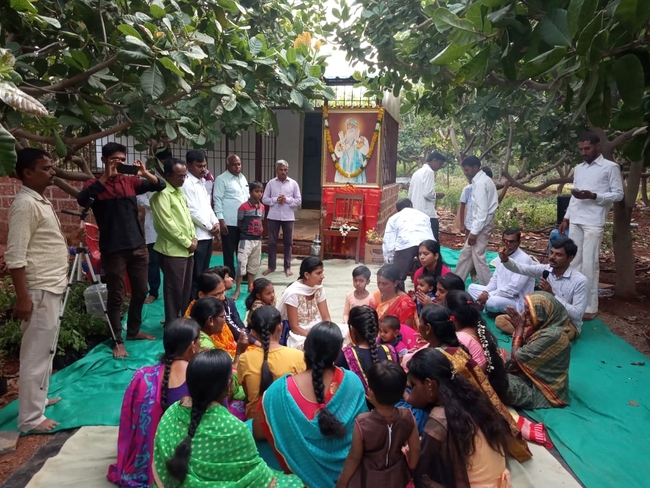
pixel 199 443
pixel 259 366
pixel 437 328
pixel 465 439
pixel 308 418
pixel 364 350
pixel 477 338
pixel 263 293
pixel 151 391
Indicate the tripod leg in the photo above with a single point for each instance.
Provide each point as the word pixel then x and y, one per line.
pixel 75 266
pixel 101 299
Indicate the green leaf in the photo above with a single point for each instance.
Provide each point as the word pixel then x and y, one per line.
pixel 131 56
pixel 229 103
pixel 51 21
pixel 195 52
pixel 627 118
pixel 477 64
pixel 137 42
pixel 307 83
pixel 291 55
pixel 171 66
pixel 554 28
pixel 202 38
pixel 70 121
pixel 315 71
pixel 448 55
pixel 16 98
pixel 59 145
pixel 222 90
pixel 129 30
pixel 153 82
pixel 597 47
pixel 157 12
pixel 586 92
pixel 630 79
pixel 633 150
pixel 588 34
pixel 544 62
pixel 626 13
pixel 297 98
pixel 23 6
pixel 170 131
pixel 444 20
pixel 80 58
pixel 255 46
pixel 7 152
pixel 501 14
pixel 579 14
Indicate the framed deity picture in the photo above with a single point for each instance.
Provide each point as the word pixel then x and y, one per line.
pixel 352 146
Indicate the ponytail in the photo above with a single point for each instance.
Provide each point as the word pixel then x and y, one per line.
pixel 328 424
pixel 164 384
pixel 178 465
pixel 264 321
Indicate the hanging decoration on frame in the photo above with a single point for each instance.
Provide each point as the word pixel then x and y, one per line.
pixel 353 157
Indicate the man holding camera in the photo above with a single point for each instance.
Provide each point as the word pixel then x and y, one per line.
pixel 121 238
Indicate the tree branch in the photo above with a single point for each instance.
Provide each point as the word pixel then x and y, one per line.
pixel 533 189
pixel 491 148
pixel 75 80
pixel 548 169
pixel 493 80
pixel 71 190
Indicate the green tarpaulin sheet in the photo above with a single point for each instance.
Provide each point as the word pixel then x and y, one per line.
pixel 604 435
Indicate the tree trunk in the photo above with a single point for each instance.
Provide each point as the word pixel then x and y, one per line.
pixel 623 252
pixel 622 236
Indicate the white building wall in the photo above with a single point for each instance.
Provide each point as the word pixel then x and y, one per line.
pixel 288 144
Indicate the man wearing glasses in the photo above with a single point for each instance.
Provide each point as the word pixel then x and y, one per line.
pixel 121 239
pixel 176 241
pixel 506 288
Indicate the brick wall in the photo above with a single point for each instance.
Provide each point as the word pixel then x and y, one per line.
pixel 389 196
pixel 9 188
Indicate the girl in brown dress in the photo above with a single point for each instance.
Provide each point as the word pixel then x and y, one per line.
pixel 378 457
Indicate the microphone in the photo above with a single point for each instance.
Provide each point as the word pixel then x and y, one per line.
pixel 545 274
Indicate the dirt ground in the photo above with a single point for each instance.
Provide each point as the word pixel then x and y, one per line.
pixel 626 319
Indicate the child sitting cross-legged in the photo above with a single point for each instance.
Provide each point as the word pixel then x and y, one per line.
pixel 389 334
pixel 378 456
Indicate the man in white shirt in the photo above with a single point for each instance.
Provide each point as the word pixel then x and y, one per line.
pixel 422 189
pixel 230 191
pixel 153 270
pixel 484 207
pixel 506 289
pixel 559 278
pixel 205 221
pixel 597 183
pixel 37 258
pixel 405 231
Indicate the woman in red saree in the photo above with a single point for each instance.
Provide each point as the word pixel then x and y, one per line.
pixel 391 299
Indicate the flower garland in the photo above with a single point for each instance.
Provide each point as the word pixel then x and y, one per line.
pixel 480 329
pixel 371 148
pixel 345 230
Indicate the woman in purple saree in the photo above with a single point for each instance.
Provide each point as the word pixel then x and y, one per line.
pixel 151 391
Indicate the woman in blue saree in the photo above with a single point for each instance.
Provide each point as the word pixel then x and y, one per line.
pixel 308 418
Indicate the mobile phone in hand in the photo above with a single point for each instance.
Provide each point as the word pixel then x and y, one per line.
pixel 127 169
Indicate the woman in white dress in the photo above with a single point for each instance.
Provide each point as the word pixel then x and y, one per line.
pixel 304 303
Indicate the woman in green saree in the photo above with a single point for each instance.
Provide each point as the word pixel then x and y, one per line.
pixel 200 444
pixel 539 360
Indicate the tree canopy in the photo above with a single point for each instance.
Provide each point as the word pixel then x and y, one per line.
pixel 537 60
pixel 72 72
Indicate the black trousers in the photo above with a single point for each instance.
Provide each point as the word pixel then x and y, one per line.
pixel 404 260
pixel 287 241
pixel 177 285
pixel 153 271
pixel 435 227
pixel 202 256
pixel 229 245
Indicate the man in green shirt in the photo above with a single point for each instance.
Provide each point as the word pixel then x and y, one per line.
pixel 176 240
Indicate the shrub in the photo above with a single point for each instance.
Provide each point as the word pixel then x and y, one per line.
pixel 76 325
